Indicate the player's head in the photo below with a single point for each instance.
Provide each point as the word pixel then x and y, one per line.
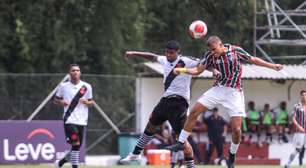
pixel 251 105
pixel 266 107
pixel 74 71
pixel 283 105
pixel 303 96
pixel 172 50
pixel 215 111
pixel 215 45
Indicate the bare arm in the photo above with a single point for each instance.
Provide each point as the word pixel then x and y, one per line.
pixel 261 62
pixel 191 71
pixel 297 125
pixel 146 55
pixel 87 102
pixel 60 101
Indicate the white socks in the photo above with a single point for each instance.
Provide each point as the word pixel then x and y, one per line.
pixel 183 136
pixel 233 148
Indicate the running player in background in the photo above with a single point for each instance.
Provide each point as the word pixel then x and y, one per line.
pixel 74 96
pixel 174 102
pixel 298 119
pixel 227 90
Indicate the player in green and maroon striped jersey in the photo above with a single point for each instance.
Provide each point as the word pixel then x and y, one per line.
pixel 227 90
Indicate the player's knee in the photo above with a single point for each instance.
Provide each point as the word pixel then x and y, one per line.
pixel 194 114
pixel 150 129
pixel 188 150
pixel 236 130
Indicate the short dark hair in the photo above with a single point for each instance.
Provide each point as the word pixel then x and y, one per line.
pixel 302 92
pixel 173 45
pixel 213 39
pixel 73 65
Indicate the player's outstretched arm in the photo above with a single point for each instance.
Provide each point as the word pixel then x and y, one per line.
pixel 261 62
pixel 191 71
pixel 146 55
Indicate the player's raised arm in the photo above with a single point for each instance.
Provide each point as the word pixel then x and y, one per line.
pixel 261 62
pixel 146 55
pixel 242 54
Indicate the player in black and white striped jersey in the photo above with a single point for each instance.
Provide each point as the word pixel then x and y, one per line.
pixel 299 121
pixel 174 102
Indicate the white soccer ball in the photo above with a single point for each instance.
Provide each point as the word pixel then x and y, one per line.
pixel 197 29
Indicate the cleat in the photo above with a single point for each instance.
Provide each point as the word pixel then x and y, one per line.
pixel 231 160
pixel 56 163
pixel 176 147
pixel 129 158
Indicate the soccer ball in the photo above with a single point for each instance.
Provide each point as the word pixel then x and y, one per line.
pixel 197 29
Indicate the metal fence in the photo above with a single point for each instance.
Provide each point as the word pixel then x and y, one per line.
pixel 115 94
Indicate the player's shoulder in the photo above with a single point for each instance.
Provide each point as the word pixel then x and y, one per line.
pixel 86 84
pixel 297 105
pixel 64 84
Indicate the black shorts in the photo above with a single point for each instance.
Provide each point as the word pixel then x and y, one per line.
pixel 74 133
pixel 172 108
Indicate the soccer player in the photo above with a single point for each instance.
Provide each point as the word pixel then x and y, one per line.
pixel 298 119
pixel 227 90
pixel 74 96
pixel 174 102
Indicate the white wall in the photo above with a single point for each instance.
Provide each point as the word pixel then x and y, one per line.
pixel 149 91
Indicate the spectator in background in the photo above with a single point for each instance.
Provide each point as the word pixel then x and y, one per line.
pixel 267 122
pixel 217 130
pixel 254 121
pixel 282 120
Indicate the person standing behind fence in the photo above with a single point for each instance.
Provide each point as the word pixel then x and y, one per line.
pixel 75 96
pixel 298 119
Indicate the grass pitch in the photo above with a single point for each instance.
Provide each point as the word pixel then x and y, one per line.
pixel 125 166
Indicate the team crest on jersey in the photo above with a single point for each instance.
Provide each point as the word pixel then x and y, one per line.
pixel 83 90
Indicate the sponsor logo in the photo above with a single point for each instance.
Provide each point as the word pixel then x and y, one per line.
pixel 30 151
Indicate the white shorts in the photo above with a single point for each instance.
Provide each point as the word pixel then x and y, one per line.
pixel 230 99
pixel 299 140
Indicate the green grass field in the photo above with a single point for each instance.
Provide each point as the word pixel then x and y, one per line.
pixel 51 166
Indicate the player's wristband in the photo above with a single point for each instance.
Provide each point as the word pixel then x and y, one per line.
pixel 183 70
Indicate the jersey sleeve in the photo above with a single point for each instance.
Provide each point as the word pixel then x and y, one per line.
pixel 59 92
pixel 242 54
pixel 207 60
pixel 191 62
pixel 161 59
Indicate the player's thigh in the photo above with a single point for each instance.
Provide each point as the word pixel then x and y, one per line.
pixel 81 131
pixel 233 103
pixel 158 116
pixel 177 114
pixel 298 140
pixel 72 133
pixel 211 98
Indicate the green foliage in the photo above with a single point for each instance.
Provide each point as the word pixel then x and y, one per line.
pixel 46 35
